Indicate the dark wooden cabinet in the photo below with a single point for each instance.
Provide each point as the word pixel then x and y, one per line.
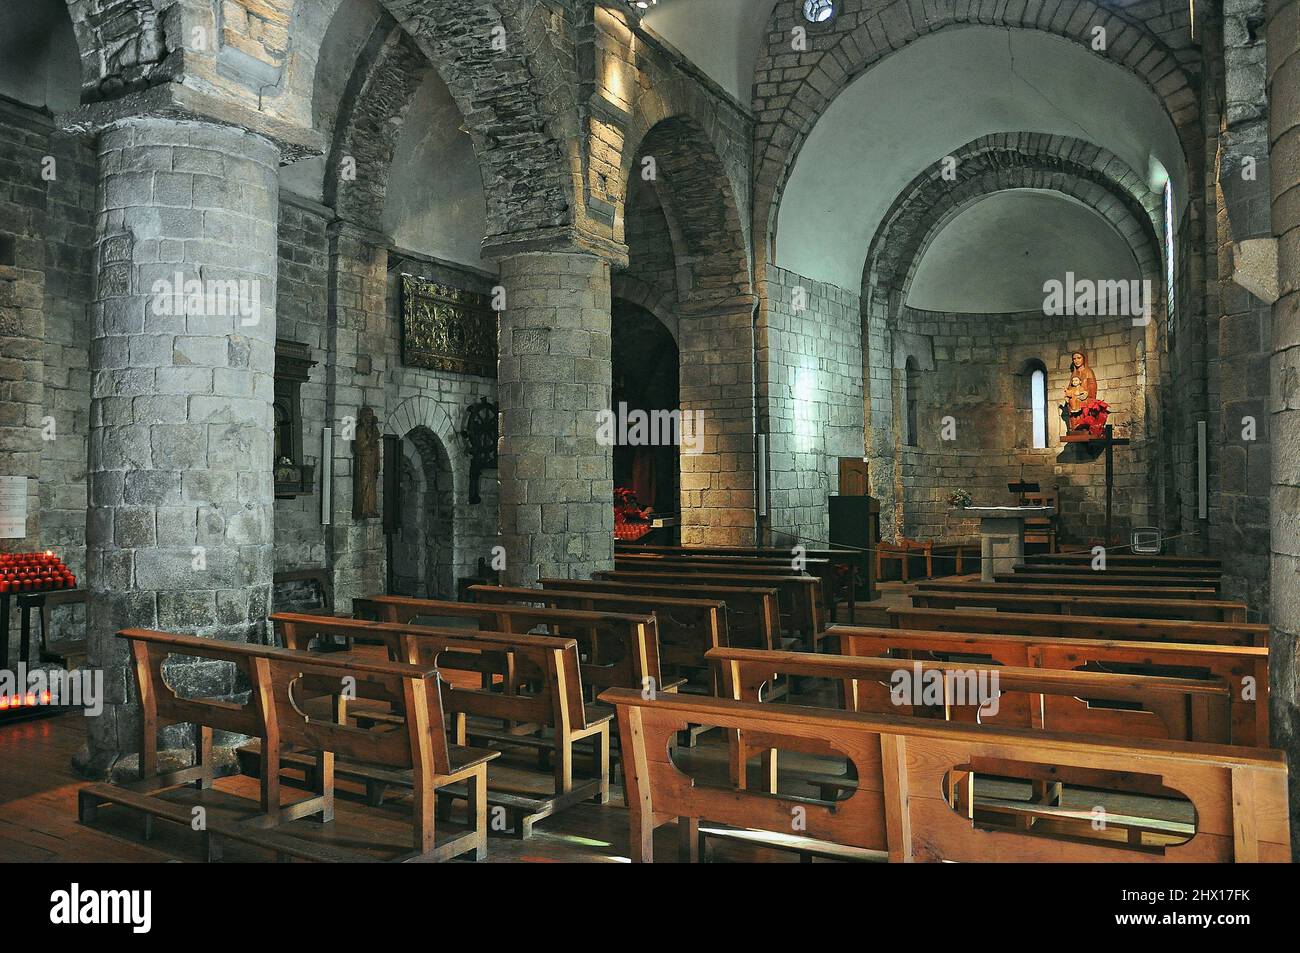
pixel 855 524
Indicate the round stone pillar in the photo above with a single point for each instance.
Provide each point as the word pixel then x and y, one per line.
pixel 1284 419
pixel 182 360
pixel 554 371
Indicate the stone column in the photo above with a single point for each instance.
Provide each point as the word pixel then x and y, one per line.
pixel 557 512
pixel 182 358
pixel 719 483
pixel 1284 398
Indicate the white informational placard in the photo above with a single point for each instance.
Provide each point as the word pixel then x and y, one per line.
pixel 13 507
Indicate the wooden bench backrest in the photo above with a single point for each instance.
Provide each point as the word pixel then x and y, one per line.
pixel 1047 589
pixel 1133 559
pixel 621 647
pixel 551 662
pixel 1120 569
pixel 753 614
pixel 1051 699
pixel 1106 579
pixel 1080 626
pixel 1200 610
pixel 904 764
pixel 782 564
pixel 274 710
pixel 1243 668
pixel 841 557
pixel 687 628
pixel 800 596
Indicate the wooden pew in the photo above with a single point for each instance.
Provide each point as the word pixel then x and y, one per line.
pixel 903 551
pixel 800 603
pixel 687 628
pixel 1046 625
pixel 1108 580
pixel 1199 610
pixel 620 649
pixel 992 695
pixel 922 792
pixel 1142 572
pixel 812 607
pixel 1243 667
pixel 272 716
pixel 542 691
pixel 1160 707
pixel 848 559
pixel 753 613
pixel 1128 559
pixel 1047 589
pixel 783 564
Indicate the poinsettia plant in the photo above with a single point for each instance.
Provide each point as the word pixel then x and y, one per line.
pixel 626 508
pixel 1093 417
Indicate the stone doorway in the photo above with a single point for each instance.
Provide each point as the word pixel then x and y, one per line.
pixel 423 547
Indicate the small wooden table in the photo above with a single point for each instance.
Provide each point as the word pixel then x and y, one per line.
pixel 1002 535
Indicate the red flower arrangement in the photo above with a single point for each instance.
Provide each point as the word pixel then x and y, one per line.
pixel 1093 417
pixel 630 522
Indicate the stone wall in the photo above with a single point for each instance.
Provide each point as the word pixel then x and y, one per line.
pixel 46 285
pixel 810 398
pixel 431 405
pixel 302 307
pixel 1239 503
pixel 975 369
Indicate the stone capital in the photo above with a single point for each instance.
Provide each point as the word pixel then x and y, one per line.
pixel 742 304
pixel 174 101
pixel 560 240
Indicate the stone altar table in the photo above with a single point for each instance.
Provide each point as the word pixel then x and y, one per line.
pixel 1002 535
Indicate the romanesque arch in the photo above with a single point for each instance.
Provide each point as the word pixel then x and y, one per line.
pixel 853 44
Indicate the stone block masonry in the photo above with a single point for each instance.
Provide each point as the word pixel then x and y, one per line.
pixel 179 528
pixel 556 505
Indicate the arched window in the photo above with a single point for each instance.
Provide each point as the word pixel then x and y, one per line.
pixel 912 396
pixel 1038 406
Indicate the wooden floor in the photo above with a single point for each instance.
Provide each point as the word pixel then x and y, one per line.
pixel 38 814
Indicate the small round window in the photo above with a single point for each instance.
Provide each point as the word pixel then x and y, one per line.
pixel 818 11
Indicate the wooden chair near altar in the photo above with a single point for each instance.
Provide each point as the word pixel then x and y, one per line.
pixel 903 551
pixel 1041 530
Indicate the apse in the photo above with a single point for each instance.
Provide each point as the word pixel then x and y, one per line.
pixel 996 254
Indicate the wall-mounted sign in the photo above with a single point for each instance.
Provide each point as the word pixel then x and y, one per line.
pixel 13 507
pixel 447 329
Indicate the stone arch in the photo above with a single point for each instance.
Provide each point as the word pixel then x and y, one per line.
pixel 427 424
pixel 425 550
pixel 516 102
pixel 1161 58
pixel 387 76
pixel 695 191
pixel 124 46
pixel 428 413
pixel 676 95
pixel 715 331
pixel 1094 176
pixel 659 303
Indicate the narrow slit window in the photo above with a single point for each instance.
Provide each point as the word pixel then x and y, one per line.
pixel 1038 405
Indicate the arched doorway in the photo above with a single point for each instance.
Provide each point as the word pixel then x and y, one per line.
pixel 645 378
pixel 422 549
